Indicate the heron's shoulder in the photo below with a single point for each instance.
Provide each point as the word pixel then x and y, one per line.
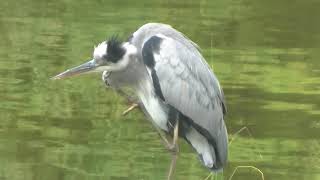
pixel 153 25
pixel 147 31
pixel 150 29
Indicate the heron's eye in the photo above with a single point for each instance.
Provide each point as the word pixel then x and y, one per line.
pixel 105 57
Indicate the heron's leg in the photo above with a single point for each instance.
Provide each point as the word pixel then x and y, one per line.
pixel 163 138
pixel 170 146
pixel 174 149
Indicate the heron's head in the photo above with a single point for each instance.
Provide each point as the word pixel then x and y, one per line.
pixel 111 55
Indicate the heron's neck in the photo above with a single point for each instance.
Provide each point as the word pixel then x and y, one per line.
pixel 133 76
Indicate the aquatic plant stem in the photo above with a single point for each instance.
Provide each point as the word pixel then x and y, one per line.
pixel 238 132
pixel 251 167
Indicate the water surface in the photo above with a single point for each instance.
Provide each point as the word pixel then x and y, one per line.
pixel 265 54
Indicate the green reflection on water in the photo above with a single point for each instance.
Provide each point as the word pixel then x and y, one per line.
pixel 265 55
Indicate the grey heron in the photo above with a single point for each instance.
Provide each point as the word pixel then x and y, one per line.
pixel 170 80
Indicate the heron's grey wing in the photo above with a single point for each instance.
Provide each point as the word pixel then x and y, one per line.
pixel 184 80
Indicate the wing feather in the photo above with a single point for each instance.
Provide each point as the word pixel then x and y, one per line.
pixel 188 84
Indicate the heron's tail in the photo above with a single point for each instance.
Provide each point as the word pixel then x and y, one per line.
pixel 213 153
pixel 219 149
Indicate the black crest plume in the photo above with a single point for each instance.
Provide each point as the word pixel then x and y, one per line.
pixel 114 50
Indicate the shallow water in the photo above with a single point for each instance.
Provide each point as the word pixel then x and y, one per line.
pixel 265 54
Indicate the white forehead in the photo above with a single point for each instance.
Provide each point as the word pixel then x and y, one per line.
pixel 100 50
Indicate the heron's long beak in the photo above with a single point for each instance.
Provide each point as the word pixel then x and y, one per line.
pixel 87 67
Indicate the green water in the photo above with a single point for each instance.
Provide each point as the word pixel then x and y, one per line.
pixel 265 54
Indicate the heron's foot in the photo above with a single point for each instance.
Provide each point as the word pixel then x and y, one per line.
pixel 173 148
pixel 105 76
pixel 132 107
